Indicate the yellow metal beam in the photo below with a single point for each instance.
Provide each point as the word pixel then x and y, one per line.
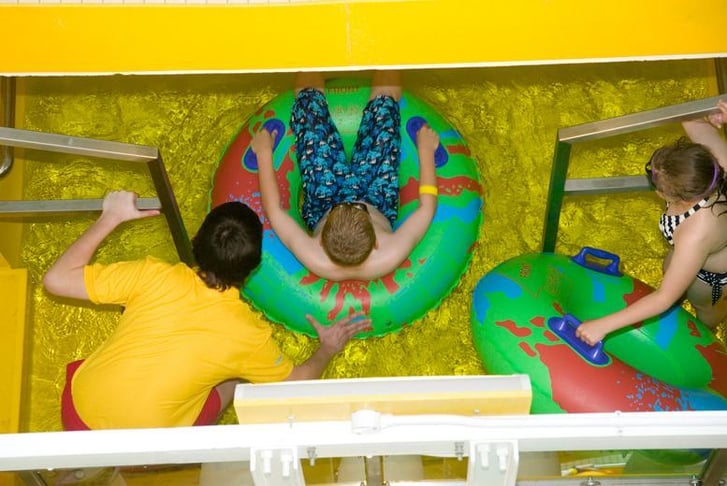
pixel 87 39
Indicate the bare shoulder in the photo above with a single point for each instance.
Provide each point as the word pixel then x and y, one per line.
pixel 718 222
pixel 310 254
pixel 389 253
pixel 706 228
pixel 383 260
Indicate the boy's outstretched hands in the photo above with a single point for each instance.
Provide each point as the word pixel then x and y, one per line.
pixel 333 338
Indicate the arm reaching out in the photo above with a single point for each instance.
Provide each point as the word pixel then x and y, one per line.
pixel 262 146
pixel 65 276
pixel 706 132
pixel 595 330
pixel 416 225
pixel 295 238
pixel 332 340
pixel 690 251
pixel 427 143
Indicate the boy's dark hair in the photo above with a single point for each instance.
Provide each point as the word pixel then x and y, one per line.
pixel 348 235
pixel 687 170
pixel 228 245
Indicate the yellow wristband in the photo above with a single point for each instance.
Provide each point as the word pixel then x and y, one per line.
pixel 428 190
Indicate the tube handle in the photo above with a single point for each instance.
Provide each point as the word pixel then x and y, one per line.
pixel 271 125
pixel 611 268
pixel 565 328
pixel 412 127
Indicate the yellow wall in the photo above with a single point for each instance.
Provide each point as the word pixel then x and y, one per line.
pixel 13 295
pixel 353 35
pixel 11 188
pixel 10 479
pixel 13 324
pixel 13 285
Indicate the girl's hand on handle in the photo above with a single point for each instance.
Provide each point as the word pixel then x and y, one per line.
pixel 590 333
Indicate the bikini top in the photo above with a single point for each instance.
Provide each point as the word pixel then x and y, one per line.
pixel 668 223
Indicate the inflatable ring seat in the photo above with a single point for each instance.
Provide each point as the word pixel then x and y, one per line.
pixel 285 291
pixel 514 330
pixel 524 315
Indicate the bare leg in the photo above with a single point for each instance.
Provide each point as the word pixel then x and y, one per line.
pixel 386 83
pixel 226 390
pixel 700 296
pixel 713 315
pixel 309 80
pixel 708 317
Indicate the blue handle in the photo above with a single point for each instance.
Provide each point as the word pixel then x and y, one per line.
pixel 610 269
pixel 250 159
pixel 565 328
pixel 413 126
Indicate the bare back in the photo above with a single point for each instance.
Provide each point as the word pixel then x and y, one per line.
pixel 716 230
pixel 384 258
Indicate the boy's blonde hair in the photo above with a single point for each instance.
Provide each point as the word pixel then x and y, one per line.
pixel 348 235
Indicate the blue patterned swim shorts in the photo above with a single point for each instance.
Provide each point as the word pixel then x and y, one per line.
pixel 372 176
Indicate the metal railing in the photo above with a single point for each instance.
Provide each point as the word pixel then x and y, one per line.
pixel 560 186
pixel 49 142
pixel 7 100
pixel 284 444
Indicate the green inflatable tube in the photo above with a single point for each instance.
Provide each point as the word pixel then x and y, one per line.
pixel 286 291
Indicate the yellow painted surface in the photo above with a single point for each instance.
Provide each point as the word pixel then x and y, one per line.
pixel 508 116
pixel 488 402
pixel 13 289
pixel 10 479
pixel 353 35
pixel 11 188
pixel 13 296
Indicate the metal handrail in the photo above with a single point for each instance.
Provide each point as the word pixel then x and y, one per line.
pixel 50 142
pixel 40 208
pixel 7 91
pixel 639 121
pixel 560 186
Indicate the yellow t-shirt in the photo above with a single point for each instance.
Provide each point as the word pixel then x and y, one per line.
pixel 176 340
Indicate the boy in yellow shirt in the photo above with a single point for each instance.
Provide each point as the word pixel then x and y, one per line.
pixel 185 338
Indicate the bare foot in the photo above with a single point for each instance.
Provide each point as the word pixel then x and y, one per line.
pixel 309 80
pixel 386 83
